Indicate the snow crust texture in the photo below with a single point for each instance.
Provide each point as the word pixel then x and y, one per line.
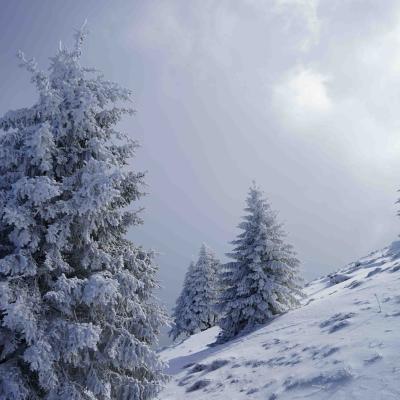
pixel 342 344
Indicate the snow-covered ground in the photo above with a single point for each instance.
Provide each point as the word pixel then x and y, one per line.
pixel 342 344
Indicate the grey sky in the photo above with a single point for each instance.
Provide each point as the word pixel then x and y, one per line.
pixel 302 96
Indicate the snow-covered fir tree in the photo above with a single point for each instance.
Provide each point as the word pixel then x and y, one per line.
pixel 195 308
pixel 77 315
pixel 263 279
pixel 179 314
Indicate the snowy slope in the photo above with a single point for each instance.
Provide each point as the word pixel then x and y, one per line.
pixel 337 346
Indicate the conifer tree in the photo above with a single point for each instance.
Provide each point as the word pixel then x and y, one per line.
pixel 77 315
pixel 263 279
pixel 195 307
pixel 180 311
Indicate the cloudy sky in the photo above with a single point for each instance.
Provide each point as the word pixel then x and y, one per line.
pixel 300 95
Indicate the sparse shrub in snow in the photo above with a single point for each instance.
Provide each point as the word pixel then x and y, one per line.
pixel 200 384
pixel 195 306
pixel 77 314
pixel 325 379
pixel 263 280
pixel 336 278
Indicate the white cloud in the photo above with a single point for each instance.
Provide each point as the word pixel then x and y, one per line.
pixel 306 12
pixel 301 96
pixel 226 34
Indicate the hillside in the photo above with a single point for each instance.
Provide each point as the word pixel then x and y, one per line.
pixel 342 344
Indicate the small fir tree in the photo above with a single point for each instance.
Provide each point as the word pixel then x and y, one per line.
pixel 195 307
pixel 180 311
pixel 77 315
pixel 263 280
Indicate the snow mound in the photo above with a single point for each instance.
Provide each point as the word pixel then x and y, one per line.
pixel 342 344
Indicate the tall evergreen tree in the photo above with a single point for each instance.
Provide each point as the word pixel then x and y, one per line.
pixel 180 315
pixel 195 307
pixel 77 315
pixel 263 280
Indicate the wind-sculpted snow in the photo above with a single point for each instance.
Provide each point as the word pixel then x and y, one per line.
pixel 342 344
pixel 336 322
